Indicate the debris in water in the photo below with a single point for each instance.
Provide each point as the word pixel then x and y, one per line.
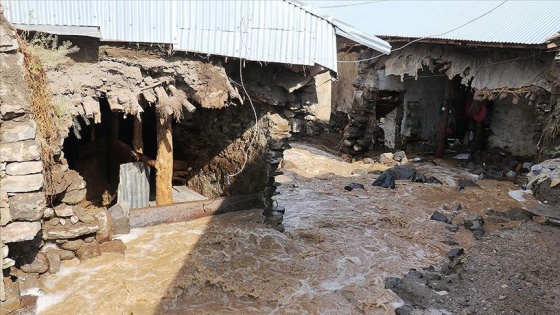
pixel 462 156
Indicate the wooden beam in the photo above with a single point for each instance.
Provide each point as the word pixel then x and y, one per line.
pixel 164 173
pixel 137 140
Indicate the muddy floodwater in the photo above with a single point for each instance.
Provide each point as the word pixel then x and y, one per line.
pixel 337 248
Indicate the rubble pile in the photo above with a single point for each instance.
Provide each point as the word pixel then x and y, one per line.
pixel 544 181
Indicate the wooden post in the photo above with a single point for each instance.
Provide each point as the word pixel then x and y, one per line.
pixel 137 141
pixel 442 136
pixel 164 171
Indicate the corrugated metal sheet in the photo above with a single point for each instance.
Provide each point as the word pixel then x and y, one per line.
pixel 134 184
pixel 519 22
pixel 269 31
pixel 88 31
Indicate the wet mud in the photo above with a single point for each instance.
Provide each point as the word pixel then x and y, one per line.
pixel 337 249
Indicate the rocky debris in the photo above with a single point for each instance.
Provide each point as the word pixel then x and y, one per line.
pixel 353 186
pixel 393 159
pixel 39 265
pixel 27 206
pixel 473 222
pixel 114 246
pixel 412 289
pixel 20 231
pixel 68 230
pixel 88 251
pixel 438 216
pixel 463 182
pixel 105 222
pixel 388 177
pixel 120 215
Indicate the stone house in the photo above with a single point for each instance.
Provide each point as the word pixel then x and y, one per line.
pixel 459 73
pixel 130 123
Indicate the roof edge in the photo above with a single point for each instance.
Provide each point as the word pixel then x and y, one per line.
pixel 346 30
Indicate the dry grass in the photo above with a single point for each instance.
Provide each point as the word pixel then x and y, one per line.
pixel 43 109
pixel 47 49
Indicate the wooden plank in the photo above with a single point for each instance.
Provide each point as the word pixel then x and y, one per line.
pixel 137 140
pixel 191 210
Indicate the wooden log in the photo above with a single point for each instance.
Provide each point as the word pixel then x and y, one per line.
pixel 164 171
pixel 137 140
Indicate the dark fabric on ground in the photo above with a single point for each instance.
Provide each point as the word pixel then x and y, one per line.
pixel 387 178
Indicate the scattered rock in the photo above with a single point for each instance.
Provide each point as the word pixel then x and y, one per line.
pixel 120 215
pixel 473 222
pixel 114 246
pixel 39 265
pixel 400 156
pixel 455 253
pixel 368 161
pixel 353 186
pixel 453 228
pixel 88 250
pixel 386 158
pixel 438 216
pixel 452 278
pixel 20 231
pixel 65 254
pixel 537 292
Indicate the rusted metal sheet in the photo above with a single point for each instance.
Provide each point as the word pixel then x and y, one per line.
pixel 134 184
pixel 192 210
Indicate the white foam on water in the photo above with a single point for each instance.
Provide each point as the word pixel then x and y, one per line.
pixel 134 233
pixel 33 291
pixel 45 302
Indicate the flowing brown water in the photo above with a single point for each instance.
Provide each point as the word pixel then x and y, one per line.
pixel 337 249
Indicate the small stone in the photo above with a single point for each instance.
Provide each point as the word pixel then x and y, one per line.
pixel 48 213
pixel 88 251
pixel 458 207
pixel 65 254
pixel 120 214
pixel 502 297
pixel 404 310
pixel 39 265
pixel 455 253
pixel 435 276
pixel 5 251
pixel 12 295
pixel 74 219
pixel 72 245
pixel 114 246
pixel 54 260
pixel 452 278
pixel 63 211
pixel 54 221
pixel 537 292
pixel 62 222
pixel 453 228
pixel 386 158
pixel 438 216
pixel 7 263
pixel 89 239
pixel 353 186
pixel 368 161
pixel 20 231
pixel 400 156
pixel 105 232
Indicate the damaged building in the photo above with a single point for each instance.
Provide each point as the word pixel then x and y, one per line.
pixel 485 85
pixel 108 115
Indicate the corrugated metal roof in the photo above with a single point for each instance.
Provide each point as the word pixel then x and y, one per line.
pixel 269 31
pixel 519 22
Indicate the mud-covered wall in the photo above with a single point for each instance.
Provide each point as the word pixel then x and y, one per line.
pixel 512 127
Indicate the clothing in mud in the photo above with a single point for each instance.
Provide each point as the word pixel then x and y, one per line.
pixel 387 178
